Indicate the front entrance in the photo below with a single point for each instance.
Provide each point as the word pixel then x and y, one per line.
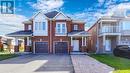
pixel 108 45
pixel 75 45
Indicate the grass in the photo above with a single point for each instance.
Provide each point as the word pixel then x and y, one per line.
pixel 121 65
pixel 6 55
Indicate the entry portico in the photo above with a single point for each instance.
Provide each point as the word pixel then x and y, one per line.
pixel 79 41
pixel 24 35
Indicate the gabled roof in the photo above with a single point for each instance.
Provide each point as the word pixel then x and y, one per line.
pixel 51 14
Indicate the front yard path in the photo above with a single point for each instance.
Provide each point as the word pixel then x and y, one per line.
pixel 86 64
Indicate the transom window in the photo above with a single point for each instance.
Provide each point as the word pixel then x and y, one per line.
pixel 40 26
pixel 61 29
pixel 75 27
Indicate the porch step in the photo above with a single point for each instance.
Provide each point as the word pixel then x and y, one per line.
pixel 78 53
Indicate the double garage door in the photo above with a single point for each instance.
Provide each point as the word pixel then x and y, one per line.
pixel 59 47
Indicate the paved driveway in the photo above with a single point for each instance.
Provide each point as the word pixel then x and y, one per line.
pixel 86 64
pixel 37 64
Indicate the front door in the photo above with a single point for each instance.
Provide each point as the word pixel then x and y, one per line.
pixel 75 45
pixel 108 45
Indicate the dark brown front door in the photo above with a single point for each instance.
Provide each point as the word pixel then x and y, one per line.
pixel 61 47
pixel 41 47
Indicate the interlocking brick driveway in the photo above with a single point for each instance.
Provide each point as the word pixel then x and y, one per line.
pixel 37 64
pixel 86 64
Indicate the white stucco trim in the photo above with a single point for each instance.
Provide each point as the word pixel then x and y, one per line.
pixel 62 14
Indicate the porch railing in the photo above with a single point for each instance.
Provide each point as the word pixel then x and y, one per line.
pixel 124 43
pixel 110 29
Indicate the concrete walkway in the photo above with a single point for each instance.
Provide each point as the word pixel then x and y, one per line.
pixel 37 64
pixel 86 64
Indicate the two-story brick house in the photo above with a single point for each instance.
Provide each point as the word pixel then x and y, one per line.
pixel 52 32
pixel 108 32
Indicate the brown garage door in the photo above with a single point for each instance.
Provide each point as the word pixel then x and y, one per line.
pixel 41 47
pixel 61 47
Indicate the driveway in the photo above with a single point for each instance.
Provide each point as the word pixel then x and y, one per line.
pixel 37 64
pixel 86 64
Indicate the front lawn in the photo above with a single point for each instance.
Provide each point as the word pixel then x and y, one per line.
pixel 6 55
pixel 121 65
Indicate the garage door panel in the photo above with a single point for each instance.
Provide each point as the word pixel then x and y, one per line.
pixel 61 47
pixel 41 47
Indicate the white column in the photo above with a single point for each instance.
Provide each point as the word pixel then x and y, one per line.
pixel 16 41
pixel 27 41
pixel 101 29
pixel 119 39
pixel 82 41
pixel 85 41
pixel 71 41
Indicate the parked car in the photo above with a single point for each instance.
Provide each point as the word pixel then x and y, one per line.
pixel 122 51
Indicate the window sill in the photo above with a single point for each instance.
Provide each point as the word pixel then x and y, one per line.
pixel 60 34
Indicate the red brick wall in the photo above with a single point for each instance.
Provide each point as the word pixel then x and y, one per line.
pixel 93 39
pixel 51 38
pixel 1 44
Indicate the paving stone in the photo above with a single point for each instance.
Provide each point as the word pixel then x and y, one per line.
pixel 86 64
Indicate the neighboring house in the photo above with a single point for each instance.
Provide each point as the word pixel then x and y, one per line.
pixel 52 32
pixel 108 32
pixel 6 43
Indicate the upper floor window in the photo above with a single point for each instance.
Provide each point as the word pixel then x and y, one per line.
pixel 126 25
pixel 40 26
pixel 29 27
pixel 43 25
pixel 61 29
pixel 36 25
pixel 75 27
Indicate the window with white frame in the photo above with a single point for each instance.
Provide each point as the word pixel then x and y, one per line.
pixel 75 27
pixel 36 25
pixel 43 26
pixel 40 26
pixel 29 27
pixel 126 25
pixel 61 29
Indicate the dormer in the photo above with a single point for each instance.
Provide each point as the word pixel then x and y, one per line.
pixel 78 25
pixel 28 25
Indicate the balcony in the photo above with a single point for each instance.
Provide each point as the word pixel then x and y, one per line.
pixel 109 29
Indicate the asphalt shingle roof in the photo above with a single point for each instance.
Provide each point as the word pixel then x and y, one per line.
pixel 20 33
pixel 51 14
pixel 79 33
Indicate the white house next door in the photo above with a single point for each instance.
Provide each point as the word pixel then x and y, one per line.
pixel 108 45
pixel 75 45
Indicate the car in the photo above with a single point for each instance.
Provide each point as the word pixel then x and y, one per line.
pixel 122 51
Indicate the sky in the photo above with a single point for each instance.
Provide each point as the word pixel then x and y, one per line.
pixel 87 10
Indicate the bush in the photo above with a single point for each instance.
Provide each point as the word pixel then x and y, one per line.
pixel 122 51
pixel 1 49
